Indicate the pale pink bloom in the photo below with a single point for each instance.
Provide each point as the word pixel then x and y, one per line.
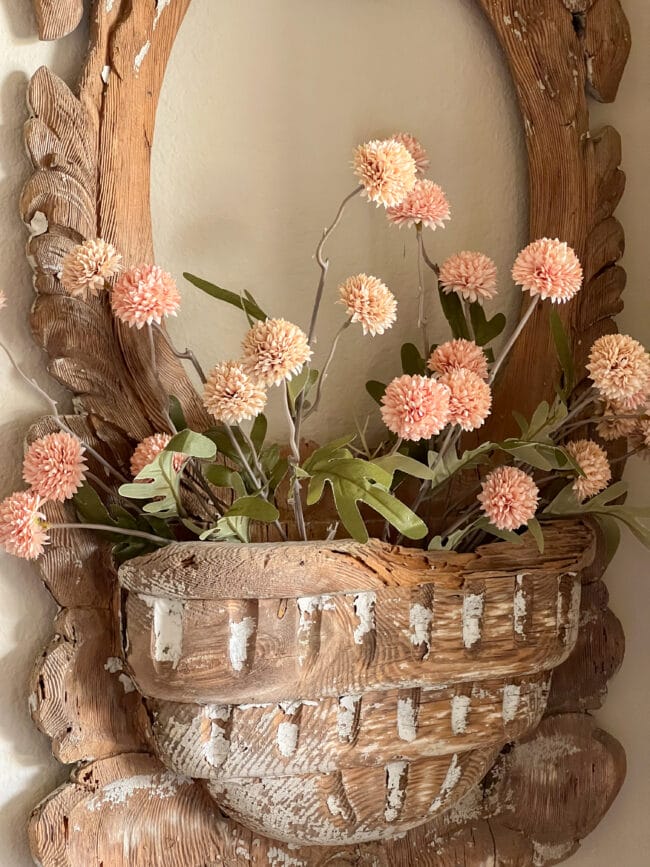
pixel 386 170
pixel 274 350
pixel 473 276
pixel 425 204
pixel 470 400
pixel 22 526
pixel 148 450
pixel 144 295
pixel 612 427
pixel 640 438
pixel 459 355
pixel 3 300
pixel 592 460
pixel 231 396
pixel 87 267
pixel 55 466
pixel 416 150
pixel 619 367
pixel 415 407
pixel 369 302
pixel 548 268
pixel 509 498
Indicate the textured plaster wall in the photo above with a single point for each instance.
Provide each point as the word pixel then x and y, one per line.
pixel 257 125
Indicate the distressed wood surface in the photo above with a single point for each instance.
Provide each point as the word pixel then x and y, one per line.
pixel 557 49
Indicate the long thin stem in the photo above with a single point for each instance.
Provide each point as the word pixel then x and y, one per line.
pixel 422 319
pixel 505 351
pixel 242 457
pixel 586 400
pixel 57 415
pixel 154 370
pixel 186 355
pixel 295 451
pixel 325 372
pixel 102 528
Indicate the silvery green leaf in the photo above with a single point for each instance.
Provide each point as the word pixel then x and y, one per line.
pixel 196 445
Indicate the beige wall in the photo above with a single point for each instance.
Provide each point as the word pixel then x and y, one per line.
pixel 263 103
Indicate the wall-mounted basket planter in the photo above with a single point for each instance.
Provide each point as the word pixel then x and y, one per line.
pixel 338 692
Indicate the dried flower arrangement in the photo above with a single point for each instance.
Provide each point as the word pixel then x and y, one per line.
pixel 213 484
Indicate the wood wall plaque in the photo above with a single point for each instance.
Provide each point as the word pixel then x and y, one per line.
pixel 121 806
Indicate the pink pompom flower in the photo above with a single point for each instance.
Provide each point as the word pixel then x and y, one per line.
pixel 425 204
pixel 274 350
pixel 509 498
pixel 592 460
pixel 148 450
pixel 470 398
pixel 87 267
pixel 619 367
pixel 459 354
pixel 231 396
pixel 386 170
pixel 550 269
pixel 55 466
pixel 369 302
pixel 23 528
pixel 416 149
pixel 473 276
pixel 144 295
pixel 415 407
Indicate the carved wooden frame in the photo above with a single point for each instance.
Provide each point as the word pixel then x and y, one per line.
pixel 527 811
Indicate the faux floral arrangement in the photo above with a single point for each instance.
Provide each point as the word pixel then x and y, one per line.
pixel 216 484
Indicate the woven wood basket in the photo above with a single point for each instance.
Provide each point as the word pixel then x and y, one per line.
pixel 338 692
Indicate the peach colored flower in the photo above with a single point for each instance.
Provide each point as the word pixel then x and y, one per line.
pixel 22 526
pixel 592 460
pixel 144 295
pixel 470 400
pixel 619 367
pixel 3 300
pixel 87 267
pixel 231 396
pixel 369 302
pixel 640 438
pixel 473 276
pixel 612 427
pixel 416 150
pixel 148 450
pixel 55 466
pixel 548 268
pixel 509 498
pixel 274 350
pixel 426 204
pixel 459 354
pixel 386 170
pixel 415 407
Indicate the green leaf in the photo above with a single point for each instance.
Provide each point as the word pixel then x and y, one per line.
pixel 227 530
pixel 122 518
pixel 255 508
pixel 220 438
pixel 485 330
pixel 176 413
pixel 563 349
pixel 522 422
pixel 258 431
pixel 536 531
pixel 334 450
pixel 542 456
pixel 403 464
pixel 247 304
pixel 611 533
pixel 303 382
pixel 452 463
pixel 188 442
pixel 376 390
pixel 453 310
pixel 450 542
pixel 412 361
pixel 506 535
pixel 540 419
pixel 91 508
pixel 159 483
pixel 222 477
pixel 565 503
pixel 613 492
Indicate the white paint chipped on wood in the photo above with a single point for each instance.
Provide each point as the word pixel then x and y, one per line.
pixel 108 6
pixel 167 628
pixel 473 605
pixel 420 620
pixel 216 747
pixel 511 700
pixel 549 853
pixel 287 738
pixel 161 5
pixel 291 707
pixel 460 705
pixel 364 608
pixel 140 56
pixel 127 684
pixel 520 607
pixel 113 664
pixel 395 789
pixel 39 224
pixel 32 702
pixel 280 858
pixel 406 720
pixel 240 634
pixel 452 778
pixel 540 753
pixel 347 711
pixel 118 792
pixel 334 806
pixel 106 74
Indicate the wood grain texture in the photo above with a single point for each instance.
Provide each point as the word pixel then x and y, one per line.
pixel 557 49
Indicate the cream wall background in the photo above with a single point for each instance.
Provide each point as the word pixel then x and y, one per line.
pixel 263 103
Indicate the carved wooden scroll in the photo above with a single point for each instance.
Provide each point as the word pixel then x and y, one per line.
pixel 91 156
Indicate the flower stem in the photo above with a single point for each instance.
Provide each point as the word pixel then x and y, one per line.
pixel 186 355
pixel 325 371
pixel 513 338
pixel 422 319
pixel 103 528
pixel 242 457
pixel 295 451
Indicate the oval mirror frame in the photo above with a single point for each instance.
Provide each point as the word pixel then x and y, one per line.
pixel 559 52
